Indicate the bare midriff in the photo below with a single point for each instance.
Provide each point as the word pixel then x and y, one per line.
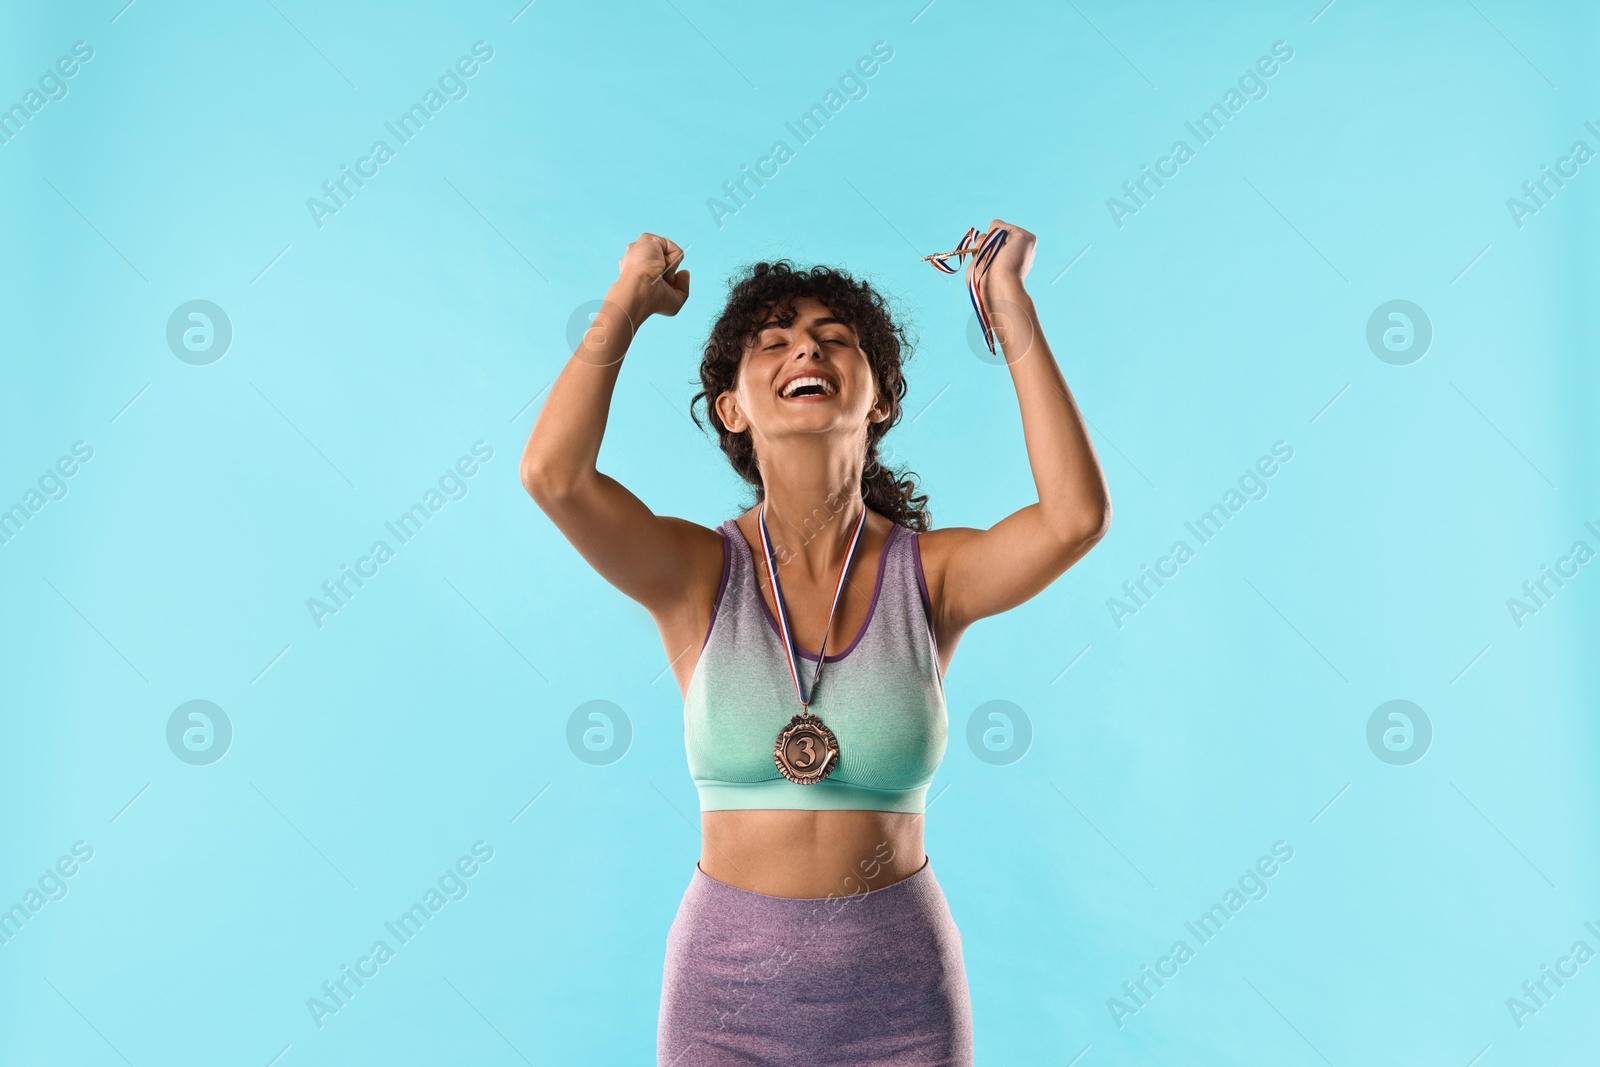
pixel 810 853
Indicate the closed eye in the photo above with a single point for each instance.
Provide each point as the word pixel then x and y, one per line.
pixel 825 340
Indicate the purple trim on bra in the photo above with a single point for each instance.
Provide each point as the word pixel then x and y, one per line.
pixel 883 558
pixel 727 558
pixel 922 582
pixel 927 602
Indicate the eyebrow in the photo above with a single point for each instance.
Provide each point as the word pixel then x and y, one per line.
pixel 772 324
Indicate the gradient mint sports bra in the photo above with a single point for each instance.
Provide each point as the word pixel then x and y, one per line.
pixel 882 696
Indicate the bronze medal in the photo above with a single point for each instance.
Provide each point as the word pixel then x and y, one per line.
pixel 806 750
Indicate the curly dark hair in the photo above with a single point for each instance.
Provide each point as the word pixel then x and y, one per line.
pixel 774 287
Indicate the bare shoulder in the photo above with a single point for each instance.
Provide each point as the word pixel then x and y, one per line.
pixel 973 574
pixel 686 619
pixel 701 547
pixel 936 548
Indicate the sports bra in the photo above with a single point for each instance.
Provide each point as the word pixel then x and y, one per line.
pixel 882 696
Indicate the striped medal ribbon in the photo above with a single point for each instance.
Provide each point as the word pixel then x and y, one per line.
pixel 806 751
pixel 982 255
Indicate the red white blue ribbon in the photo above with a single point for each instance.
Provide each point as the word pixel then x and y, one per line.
pixel 783 614
pixel 977 267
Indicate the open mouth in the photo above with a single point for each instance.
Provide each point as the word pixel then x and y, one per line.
pixel 808 387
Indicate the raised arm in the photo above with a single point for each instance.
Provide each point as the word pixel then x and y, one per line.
pixel 653 559
pixel 977 573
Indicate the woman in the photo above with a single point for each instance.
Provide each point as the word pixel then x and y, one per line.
pixel 813 930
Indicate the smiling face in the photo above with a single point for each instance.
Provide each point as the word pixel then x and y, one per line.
pixel 802 372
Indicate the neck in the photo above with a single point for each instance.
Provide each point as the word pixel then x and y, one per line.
pixel 812 514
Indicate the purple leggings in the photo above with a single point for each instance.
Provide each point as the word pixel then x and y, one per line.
pixel 867 978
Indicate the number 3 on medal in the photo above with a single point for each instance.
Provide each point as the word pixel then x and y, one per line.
pixel 805 750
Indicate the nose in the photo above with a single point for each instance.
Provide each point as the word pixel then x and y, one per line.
pixel 808 345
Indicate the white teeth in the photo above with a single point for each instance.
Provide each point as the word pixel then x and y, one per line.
pixel 810 379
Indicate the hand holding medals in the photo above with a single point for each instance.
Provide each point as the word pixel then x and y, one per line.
pixel 982 255
pixel 984 248
pixel 806 751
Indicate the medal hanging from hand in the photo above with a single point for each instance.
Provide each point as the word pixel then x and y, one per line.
pixel 982 255
pixel 806 751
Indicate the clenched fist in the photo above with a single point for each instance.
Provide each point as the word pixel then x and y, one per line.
pixel 648 270
pixel 1003 279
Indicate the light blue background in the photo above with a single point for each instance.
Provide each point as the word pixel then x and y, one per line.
pixel 431 312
